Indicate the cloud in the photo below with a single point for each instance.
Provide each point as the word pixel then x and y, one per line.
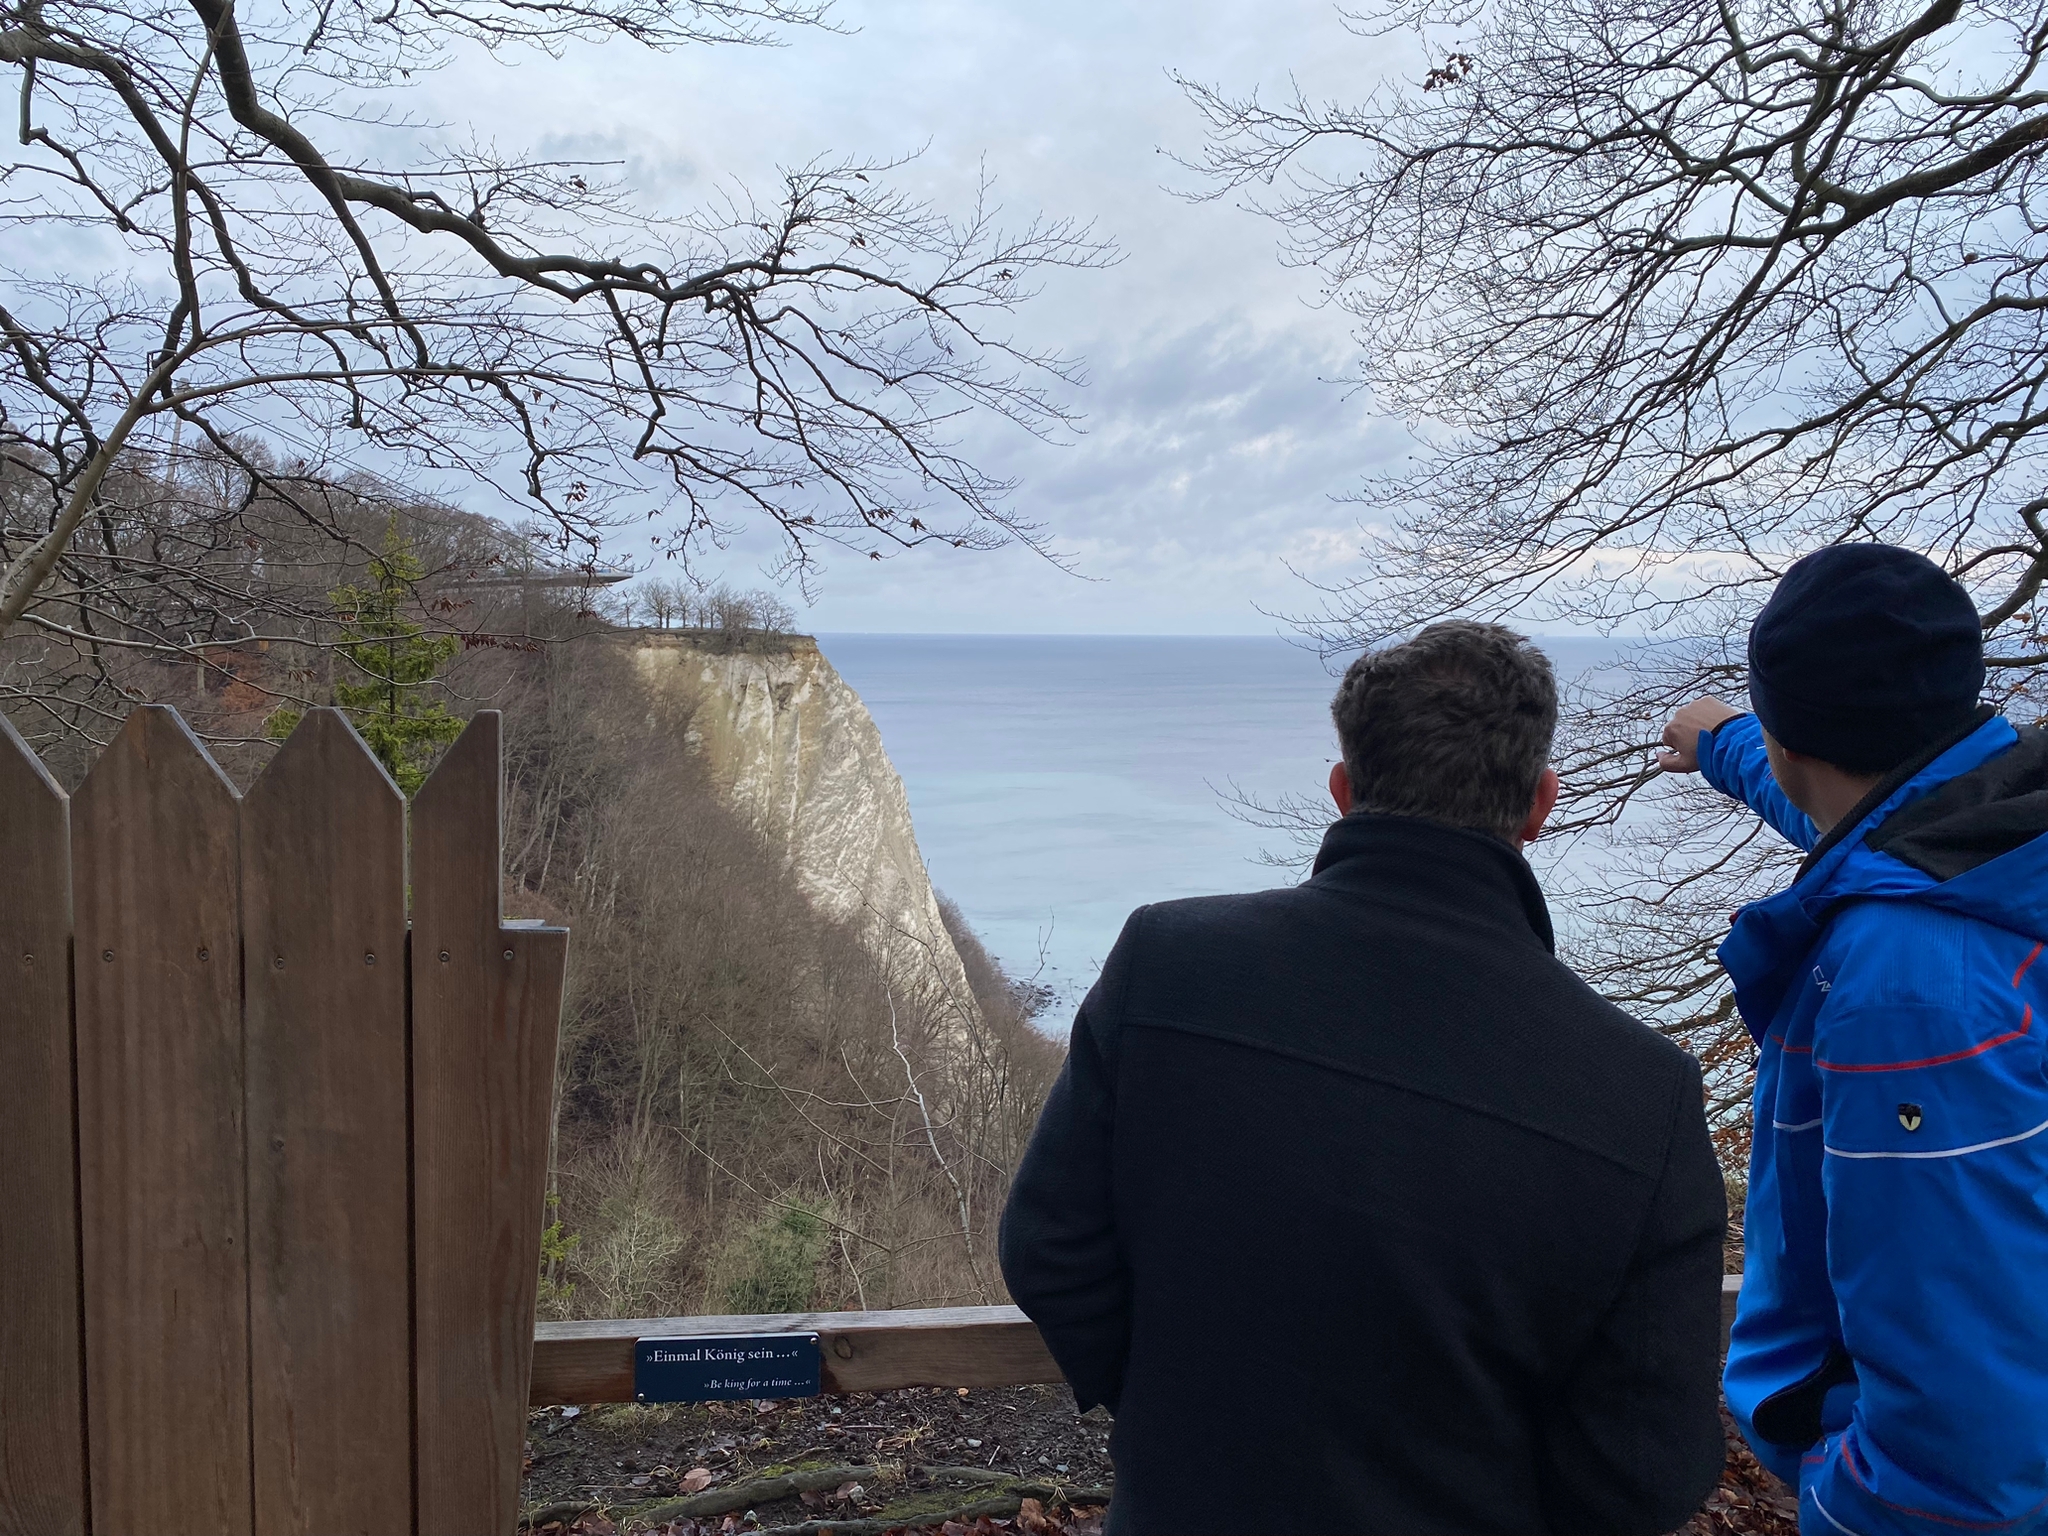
pixel 1214 439
pixel 1202 483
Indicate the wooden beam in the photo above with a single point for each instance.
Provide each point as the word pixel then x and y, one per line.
pixel 592 1362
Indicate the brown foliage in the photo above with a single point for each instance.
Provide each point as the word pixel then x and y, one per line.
pixel 747 1112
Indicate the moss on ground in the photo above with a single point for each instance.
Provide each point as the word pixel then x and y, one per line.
pixel 922 1506
pixel 636 1419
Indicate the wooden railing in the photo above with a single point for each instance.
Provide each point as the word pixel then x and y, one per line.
pixel 592 1362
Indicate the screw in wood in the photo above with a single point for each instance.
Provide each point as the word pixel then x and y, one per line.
pixel 369 959
pixel 28 960
pixel 106 954
pixel 203 952
pixel 444 957
pixel 508 954
pixel 277 964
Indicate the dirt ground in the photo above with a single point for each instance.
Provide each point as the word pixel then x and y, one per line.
pixel 926 1459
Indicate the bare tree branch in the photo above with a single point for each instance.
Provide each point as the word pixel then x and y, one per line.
pixel 1675 293
pixel 517 334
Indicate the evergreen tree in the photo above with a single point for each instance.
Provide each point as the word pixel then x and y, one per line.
pixel 396 660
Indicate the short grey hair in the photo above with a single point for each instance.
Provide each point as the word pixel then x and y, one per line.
pixel 1454 726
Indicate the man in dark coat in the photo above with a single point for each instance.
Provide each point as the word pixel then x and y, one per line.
pixel 1356 1207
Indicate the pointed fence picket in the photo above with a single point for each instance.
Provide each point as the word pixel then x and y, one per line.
pixel 323 922
pixel 274 1187
pixel 485 1001
pixel 163 1216
pixel 42 1407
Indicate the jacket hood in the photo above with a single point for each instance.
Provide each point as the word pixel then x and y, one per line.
pixel 1977 819
pixel 1964 827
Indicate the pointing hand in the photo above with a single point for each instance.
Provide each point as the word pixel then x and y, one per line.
pixel 1681 750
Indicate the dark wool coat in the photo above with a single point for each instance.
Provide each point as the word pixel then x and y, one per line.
pixel 1364 1215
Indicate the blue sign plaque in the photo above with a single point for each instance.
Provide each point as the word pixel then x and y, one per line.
pixel 709 1368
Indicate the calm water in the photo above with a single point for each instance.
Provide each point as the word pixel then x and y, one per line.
pixel 1057 782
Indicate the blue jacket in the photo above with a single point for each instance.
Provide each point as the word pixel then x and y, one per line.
pixel 1890 1352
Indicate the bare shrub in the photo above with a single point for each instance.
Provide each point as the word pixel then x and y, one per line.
pixel 774 1263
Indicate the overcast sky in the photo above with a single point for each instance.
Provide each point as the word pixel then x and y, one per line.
pixel 1215 437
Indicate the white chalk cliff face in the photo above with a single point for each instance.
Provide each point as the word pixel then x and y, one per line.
pixel 796 752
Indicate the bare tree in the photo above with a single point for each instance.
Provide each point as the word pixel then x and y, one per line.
pixel 1676 292
pixel 722 607
pixel 231 256
pixel 665 602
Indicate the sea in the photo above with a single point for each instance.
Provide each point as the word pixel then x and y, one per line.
pixel 1057 782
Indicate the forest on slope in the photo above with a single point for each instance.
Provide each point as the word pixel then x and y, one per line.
pixel 752 1112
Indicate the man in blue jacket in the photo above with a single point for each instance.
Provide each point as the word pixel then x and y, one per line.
pixel 1890 1352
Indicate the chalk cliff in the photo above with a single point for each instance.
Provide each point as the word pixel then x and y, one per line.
pixel 795 750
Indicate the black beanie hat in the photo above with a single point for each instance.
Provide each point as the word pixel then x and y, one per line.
pixel 1865 655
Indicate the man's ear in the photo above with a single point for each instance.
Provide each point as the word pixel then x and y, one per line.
pixel 1541 807
pixel 1340 788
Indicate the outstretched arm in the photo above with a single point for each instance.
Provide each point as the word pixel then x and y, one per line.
pixel 1726 746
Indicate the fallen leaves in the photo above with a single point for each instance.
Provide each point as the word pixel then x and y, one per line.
pixel 1032 1518
pixel 1749 1500
pixel 1031 1434
pixel 848 1496
pixel 591 1524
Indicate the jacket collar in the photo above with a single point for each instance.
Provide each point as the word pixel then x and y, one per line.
pixel 1886 789
pixel 1765 951
pixel 1469 876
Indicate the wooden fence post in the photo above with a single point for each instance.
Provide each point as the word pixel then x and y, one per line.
pixel 156 875
pixel 330 1328
pixel 42 1410
pixel 486 999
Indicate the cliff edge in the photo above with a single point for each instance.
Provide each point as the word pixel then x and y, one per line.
pixel 794 750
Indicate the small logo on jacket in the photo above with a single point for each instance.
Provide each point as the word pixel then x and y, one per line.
pixel 1909 1116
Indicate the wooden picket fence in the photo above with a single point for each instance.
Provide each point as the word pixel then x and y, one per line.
pixel 272 1178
